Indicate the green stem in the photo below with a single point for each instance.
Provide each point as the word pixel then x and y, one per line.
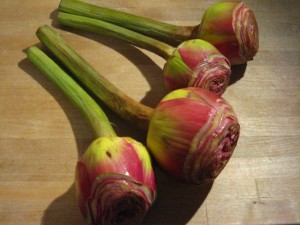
pixel 75 93
pixel 127 108
pixel 163 31
pixel 109 29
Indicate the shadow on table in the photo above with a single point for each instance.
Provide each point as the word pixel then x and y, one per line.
pixel 176 204
pixel 237 73
pixel 63 210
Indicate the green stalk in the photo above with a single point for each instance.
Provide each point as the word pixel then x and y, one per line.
pixel 127 108
pixel 163 31
pixel 112 30
pixel 73 91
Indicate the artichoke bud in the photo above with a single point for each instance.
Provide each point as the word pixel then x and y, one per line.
pixel 232 28
pixel 197 63
pixel 115 182
pixel 192 134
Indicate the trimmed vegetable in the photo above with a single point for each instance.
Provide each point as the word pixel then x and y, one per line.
pixel 192 134
pixel 114 179
pixel 231 27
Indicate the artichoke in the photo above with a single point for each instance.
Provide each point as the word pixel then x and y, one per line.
pixel 231 27
pixel 114 179
pixel 196 63
pixel 192 134
pixel 115 182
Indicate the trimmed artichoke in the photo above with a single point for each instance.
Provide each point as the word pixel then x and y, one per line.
pixel 197 63
pixel 115 182
pixel 192 134
pixel 114 178
pixel 232 28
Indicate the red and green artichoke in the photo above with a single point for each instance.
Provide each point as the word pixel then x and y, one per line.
pixel 197 63
pixel 114 179
pixel 115 182
pixel 192 134
pixel 232 28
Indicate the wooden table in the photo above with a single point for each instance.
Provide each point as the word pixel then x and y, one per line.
pixel 42 134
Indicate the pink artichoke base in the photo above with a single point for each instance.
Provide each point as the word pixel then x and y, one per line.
pixel 192 134
pixel 232 28
pixel 197 63
pixel 115 182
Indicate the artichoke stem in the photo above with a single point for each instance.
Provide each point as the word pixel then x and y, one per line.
pixel 112 30
pixel 73 91
pixel 127 108
pixel 169 33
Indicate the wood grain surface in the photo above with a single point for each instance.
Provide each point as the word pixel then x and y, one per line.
pixel 42 134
